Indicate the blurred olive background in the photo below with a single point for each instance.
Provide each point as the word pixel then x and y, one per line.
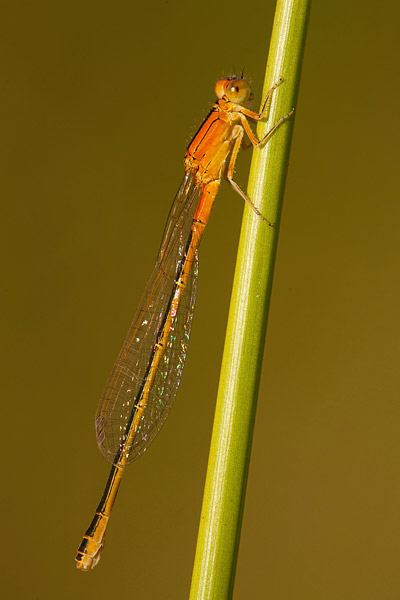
pixel 98 102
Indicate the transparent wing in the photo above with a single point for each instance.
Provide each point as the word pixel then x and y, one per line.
pixel 131 367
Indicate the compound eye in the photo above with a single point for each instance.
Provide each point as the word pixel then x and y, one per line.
pixel 238 90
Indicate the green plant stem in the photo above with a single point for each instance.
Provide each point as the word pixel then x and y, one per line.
pixel 221 517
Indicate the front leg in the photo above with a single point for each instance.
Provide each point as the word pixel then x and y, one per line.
pixel 258 116
pixel 265 107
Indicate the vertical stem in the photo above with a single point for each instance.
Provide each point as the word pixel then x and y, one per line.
pixel 221 517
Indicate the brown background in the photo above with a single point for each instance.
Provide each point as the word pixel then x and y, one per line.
pixel 98 101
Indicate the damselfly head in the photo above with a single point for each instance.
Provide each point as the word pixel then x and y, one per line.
pixel 237 90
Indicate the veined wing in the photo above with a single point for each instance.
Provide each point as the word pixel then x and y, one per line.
pixel 128 376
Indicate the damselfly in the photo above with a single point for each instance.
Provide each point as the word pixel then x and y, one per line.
pixel 145 377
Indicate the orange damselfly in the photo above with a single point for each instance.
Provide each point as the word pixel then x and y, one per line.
pixel 143 382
